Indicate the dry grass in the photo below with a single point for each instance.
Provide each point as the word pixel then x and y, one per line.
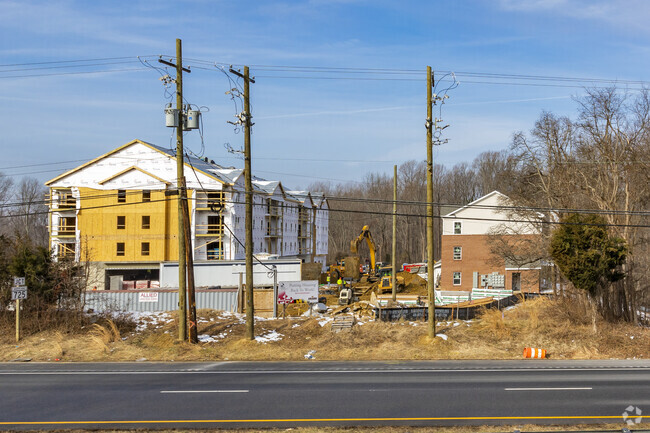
pixel 563 328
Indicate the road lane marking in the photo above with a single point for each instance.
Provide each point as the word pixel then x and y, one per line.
pixel 232 421
pixel 548 389
pixel 203 390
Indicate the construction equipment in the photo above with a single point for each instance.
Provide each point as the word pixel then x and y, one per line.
pixel 354 248
pixel 346 296
pixel 336 271
pixel 386 284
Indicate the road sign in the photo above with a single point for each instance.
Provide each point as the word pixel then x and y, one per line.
pixel 18 293
pixel 19 281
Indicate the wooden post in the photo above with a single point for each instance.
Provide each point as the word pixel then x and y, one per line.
pixel 240 294
pixel 182 269
pixel 394 249
pixel 430 256
pixel 17 320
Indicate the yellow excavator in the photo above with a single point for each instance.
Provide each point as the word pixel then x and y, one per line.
pixel 349 294
pixel 354 247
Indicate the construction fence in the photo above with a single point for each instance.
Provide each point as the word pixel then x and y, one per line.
pixel 157 300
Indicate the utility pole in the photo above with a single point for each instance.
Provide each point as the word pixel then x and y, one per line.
pixel 189 257
pixel 182 196
pixel 250 313
pixel 394 252
pixel 180 175
pixel 430 261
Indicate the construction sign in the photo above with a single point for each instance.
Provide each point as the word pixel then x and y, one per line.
pixel 292 291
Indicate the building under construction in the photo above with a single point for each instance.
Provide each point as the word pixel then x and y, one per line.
pixel 118 213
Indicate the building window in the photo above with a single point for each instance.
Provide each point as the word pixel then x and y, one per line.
pixel 67 226
pixel 215 250
pixel 121 222
pixel 66 199
pixel 214 225
pixel 67 251
pixel 458 253
pixel 121 196
pixel 120 249
pixel 146 222
pixel 146 196
pixel 215 199
pixel 144 248
pixel 456 278
pixel 458 227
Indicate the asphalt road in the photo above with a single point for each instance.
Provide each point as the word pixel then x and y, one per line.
pixel 272 394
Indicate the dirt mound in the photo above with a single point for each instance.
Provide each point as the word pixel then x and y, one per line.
pixel 413 283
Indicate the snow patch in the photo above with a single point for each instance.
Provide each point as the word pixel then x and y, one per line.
pixel 325 320
pixel 270 336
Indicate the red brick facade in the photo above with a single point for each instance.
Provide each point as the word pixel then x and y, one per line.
pixel 475 256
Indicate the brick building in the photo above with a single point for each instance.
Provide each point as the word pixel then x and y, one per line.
pixel 468 237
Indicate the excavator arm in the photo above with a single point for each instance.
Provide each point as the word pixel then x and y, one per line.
pixel 354 246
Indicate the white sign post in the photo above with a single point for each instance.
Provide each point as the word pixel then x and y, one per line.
pixel 18 292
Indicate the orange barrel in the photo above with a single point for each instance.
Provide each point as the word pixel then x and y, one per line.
pixel 531 352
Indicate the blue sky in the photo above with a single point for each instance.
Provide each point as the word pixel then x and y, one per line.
pixel 305 129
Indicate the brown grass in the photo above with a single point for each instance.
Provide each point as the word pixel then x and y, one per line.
pixel 551 325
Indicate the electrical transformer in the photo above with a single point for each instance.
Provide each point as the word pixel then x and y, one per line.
pixel 192 119
pixel 171 116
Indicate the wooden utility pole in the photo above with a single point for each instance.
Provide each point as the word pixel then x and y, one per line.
pixel 180 184
pixel 189 257
pixel 394 252
pixel 430 260
pixel 248 185
pixel 250 312
pixel 182 193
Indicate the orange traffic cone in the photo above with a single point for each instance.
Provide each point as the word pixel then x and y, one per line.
pixel 531 352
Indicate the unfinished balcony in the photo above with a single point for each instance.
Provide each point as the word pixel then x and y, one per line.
pixel 63 200
pixel 273 232
pixel 212 229
pixel 211 201
pixel 66 228
pixel 66 251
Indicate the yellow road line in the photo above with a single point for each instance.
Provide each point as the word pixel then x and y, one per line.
pixel 231 421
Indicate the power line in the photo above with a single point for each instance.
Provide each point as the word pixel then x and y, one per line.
pixel 72 61
pixel 73 73
pixel 398 74
pixel 68 66
pixel 357 211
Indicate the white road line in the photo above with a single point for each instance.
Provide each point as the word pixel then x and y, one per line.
pixel 547 389
pixel 194 391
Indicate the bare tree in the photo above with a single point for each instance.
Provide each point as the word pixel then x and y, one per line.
pixel 29 213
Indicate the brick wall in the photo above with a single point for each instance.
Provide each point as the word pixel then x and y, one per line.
pixel 476 257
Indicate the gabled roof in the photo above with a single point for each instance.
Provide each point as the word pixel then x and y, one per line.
pixel 209 168
pixel 231 174
pixel 268 186
pixel 302 197
pixel 477 201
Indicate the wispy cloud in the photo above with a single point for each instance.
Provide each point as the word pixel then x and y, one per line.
pixel 621 13
pixel 58 18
